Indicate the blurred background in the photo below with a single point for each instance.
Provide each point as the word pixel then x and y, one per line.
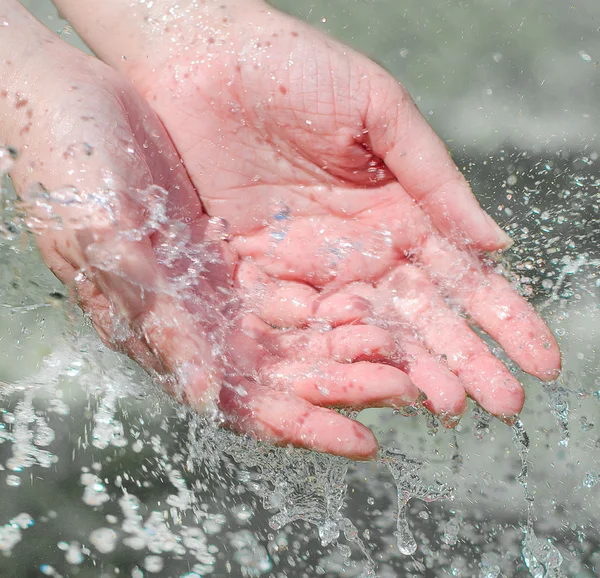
pixel 101 475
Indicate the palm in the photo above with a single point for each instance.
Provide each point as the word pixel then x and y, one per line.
pixel 289 137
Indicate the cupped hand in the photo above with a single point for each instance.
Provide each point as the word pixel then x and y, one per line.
pixel 333 186
pixel 119 221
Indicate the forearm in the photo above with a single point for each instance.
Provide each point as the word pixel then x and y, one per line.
pixel 124 33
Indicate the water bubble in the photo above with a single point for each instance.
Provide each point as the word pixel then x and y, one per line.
pixel 94 493
pixel 590 480
pixel 451 530
pixel 153 564
pixel 13 481
pixel 250 554
pixel 103 539
pixel 74 555
pixel 23 521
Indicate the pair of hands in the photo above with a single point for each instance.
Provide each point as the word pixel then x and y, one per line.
pixel 264 220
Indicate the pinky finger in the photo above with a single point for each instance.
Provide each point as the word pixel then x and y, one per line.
pixel 282 418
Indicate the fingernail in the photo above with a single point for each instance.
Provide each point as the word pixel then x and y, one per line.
pixel 449 421
pixel 509 420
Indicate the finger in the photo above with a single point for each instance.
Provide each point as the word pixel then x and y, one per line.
pixel 345 344
pixel 98 308
pixel 327 383
pixel 289 304
pixel 446 396
pixel 324 251
pixel 485 378
pixel 421 163
pixel 129 275
pixel 283 418
pixel 496 307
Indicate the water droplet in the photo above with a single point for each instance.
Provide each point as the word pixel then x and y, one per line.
pixel 13 481
pixel 590 480
pixel 103 539
pixel 153 564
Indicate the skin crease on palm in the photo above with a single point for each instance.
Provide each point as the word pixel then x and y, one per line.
pixel 337 215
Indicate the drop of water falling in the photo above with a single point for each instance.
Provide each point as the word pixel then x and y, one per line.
pixel 103 539
pixel 590 480
pixel 408 484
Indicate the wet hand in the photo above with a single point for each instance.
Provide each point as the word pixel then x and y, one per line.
pixel 120 223
pixel 330 180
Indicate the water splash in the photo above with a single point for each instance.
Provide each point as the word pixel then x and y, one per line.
pixel 405 471
pixel 542 558
pixel 11 534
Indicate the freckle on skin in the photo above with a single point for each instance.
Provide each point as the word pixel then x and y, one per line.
pixel 21 102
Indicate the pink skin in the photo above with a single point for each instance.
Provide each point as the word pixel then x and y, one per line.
pixel 371 212
pixel 333 186
pixel 93 132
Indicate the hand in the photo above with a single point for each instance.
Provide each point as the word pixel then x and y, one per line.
pixel 119 222
pixel 330 179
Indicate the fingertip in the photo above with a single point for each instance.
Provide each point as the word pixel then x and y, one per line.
pixel 327 431
pixel 540 356
pixel 549 374
pixel 365 446
pixel 509 402
pixel 490 239
pixel 389 386
pixel 509 420
pixel 496 239
pixel 491 385
pixel 342 308
pixel 551 365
